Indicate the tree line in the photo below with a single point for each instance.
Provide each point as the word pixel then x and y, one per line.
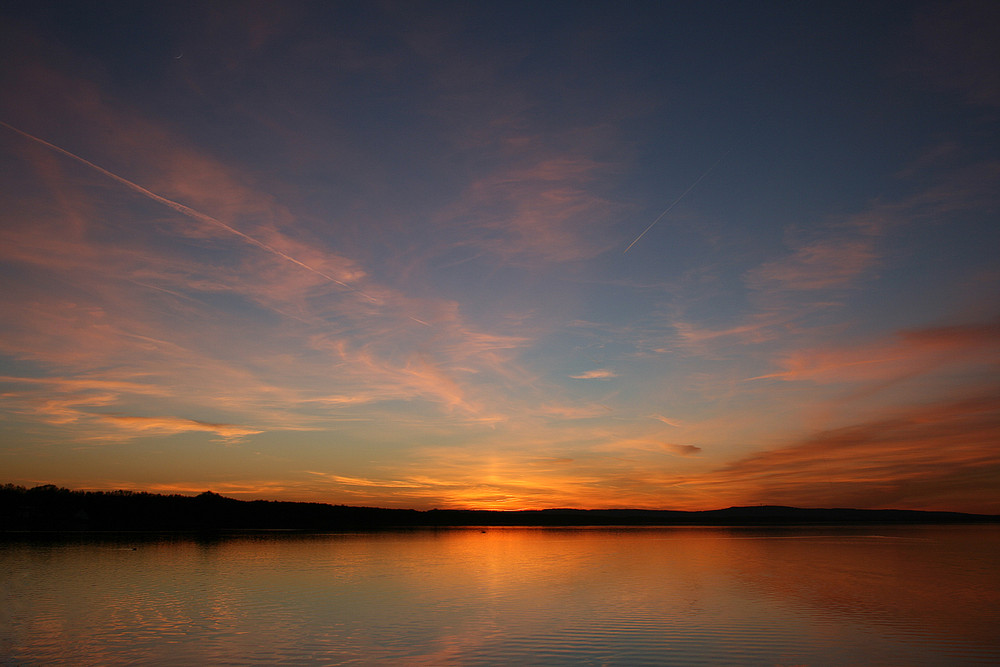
pixel 51 508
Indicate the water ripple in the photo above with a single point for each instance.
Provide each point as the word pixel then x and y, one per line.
pixel 508 597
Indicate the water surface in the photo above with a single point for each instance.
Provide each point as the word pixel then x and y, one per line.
pixel 542 596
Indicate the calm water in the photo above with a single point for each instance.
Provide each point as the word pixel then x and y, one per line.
pixel 664 596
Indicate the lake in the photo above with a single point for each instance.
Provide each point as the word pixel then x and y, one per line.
pixel 886 595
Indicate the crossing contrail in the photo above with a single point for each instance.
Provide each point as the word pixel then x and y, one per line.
pixel 676 201
pixel 188 211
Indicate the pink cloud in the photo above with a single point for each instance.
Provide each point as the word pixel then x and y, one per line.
pixel 147 297
pixel 908 353
pixel 824 264
pixel 761 328
pixel 543 211
pixel 143 299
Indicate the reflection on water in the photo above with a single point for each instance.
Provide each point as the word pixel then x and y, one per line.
pixel 825 596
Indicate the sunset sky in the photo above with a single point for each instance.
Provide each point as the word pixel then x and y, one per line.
pixel 385 253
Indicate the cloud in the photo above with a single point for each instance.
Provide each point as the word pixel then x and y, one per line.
pixel 682 450
pixel 171 425
pixel 172 300
pixel 596 374
pixel 81 406
pixel 574 410
pixel 195 214
pixel 168 280
pixel 934 456
pixel 63 384
pixel 804 293
pixel 761 328
pixel 906 354
pixel 365 482
pixel 545 210
pixel 550 461
pixel 820 265
pixel 226 272
pixel 639 445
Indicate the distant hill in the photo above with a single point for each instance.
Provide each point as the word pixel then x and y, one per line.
pixel 50 508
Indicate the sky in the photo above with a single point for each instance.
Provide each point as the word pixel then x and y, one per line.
pixel 503 255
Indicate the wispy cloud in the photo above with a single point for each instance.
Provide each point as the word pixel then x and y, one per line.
pixel 818 265
pixel 596 374
pixel 633 445
pixel 388 247
pixel 170 336
pixel 542 211
pixel 85 406
pixel 934 456
pixel 804 292
pixel 906 354
pixel 187 210
pixel 169 425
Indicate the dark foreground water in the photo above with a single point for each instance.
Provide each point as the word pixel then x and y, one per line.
pixel 541 596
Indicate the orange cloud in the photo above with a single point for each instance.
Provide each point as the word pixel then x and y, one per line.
pixel 908 353
pixel 938 456
pixel 596 374
pixel 575 410
pixel 169 425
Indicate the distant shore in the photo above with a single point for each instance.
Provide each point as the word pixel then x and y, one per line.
pixel 50 508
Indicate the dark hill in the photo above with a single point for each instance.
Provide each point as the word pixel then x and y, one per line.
pixel 52 508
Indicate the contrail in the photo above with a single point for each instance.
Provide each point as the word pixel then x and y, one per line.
pixel 186 210
pixel 676 201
